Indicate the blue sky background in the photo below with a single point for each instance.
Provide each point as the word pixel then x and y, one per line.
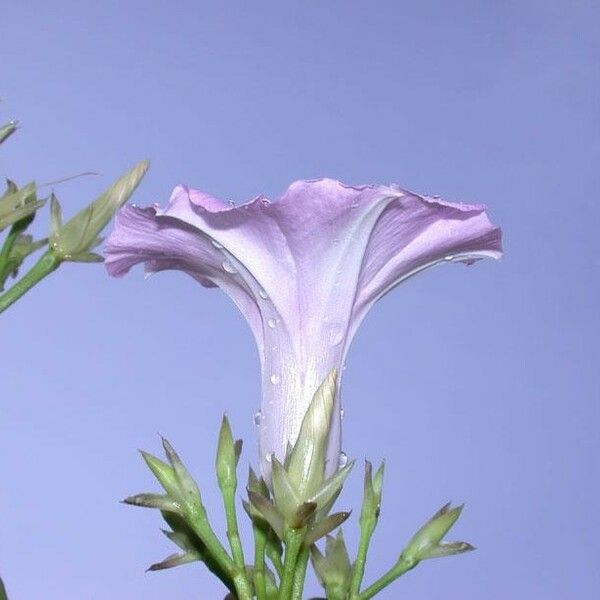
pixel 476 384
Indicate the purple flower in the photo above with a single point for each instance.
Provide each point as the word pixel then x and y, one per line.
pixel 304 271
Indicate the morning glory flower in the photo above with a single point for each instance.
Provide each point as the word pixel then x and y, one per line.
pixel 304 270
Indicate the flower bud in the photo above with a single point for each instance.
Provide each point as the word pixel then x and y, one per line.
pixel 333 569
pixel 227 457
pixel 426 543
pixel 17 204
pixel 75 239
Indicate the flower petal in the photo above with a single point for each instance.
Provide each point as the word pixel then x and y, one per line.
pixel 304 270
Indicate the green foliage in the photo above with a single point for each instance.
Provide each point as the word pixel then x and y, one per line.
pixel 72 241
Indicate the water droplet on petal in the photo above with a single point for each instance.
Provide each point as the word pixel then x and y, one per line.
pixel 257 417
pixel 271 323
pixel 343 460
pixel 344 367
pixel 269 457
pixel 263 294
pixel 216 244
pixel 449 258
pixel 337 336
pixel 275 379
pixel 341 413
pixel 227 266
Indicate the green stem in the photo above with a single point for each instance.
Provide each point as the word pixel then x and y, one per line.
pixel 335 592
pixel 260 543
pixel 402 566
pixel 3 595
pixel 300 574
pixel 233 534
pixel 47 263
pixel 367 527
pixel 198 521
pixel 293 544
pixel 275 558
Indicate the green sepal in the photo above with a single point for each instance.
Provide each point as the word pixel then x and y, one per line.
pixel 285 497
pixel 187 489
pixel 268 512
pixel 175 560
pixel 163 472
pixel 306 461
pixel 331 489
pixel 6 131
pixel 325 526
pixel 160 501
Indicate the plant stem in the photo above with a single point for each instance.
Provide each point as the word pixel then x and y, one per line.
pixel 335 592
pixel 260 542
pixel 273 554
pixel 47 263
pixel 368 521
pixel 300 574
pixel 402 566
pixel 233 534
pixel 293 544
pixel 198 521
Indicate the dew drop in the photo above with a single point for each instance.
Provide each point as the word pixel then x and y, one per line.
pixel 275 379
pixel 257 417
pixel 449 258
pixel 227 266
pixel 337 336
pixel 343 460
pixel 263 294
pixel 271 323
pixel 216 244
pixel 269 457
pixel 341 413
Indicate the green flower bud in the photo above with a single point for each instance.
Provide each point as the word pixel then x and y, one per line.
pixel 227 457
pixel 77 237
pixel 333 569
pixel 426 543
pixel 18 204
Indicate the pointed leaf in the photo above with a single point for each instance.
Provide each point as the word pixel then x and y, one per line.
pixel 159 501
pixel 268 512
pixel 175 560
pixel 325 526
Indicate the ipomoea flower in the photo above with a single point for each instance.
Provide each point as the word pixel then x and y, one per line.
pixel 304 270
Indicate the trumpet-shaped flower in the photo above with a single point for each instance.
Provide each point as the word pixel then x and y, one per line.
pixel 304 270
